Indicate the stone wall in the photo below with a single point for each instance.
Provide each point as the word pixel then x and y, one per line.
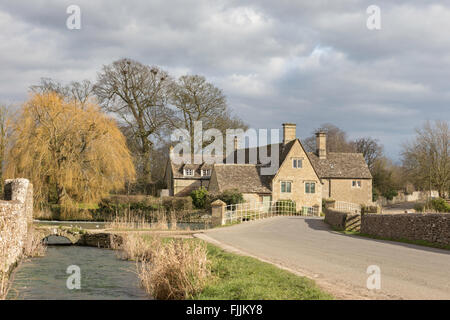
pixel 434 228
pixel 16 212
pixel 343 221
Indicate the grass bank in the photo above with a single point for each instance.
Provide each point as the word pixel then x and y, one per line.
pixel 238 277
pixel 229 276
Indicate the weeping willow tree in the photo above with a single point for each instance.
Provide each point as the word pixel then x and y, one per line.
pixel 70 154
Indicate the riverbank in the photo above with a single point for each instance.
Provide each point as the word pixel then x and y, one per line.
pixel 236 277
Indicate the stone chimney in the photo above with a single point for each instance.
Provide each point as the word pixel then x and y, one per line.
pixel 170 152
pixel 321 144
pixel 236 143
pixel 289 132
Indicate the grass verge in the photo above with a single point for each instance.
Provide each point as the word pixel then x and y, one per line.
pixel 238 277
pixel 222 275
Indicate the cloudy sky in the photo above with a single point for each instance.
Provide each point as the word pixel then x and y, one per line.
pixel 302 61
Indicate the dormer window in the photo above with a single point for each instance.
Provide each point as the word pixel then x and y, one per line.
pixel 206 172
pixel 188 172
pixel 297 163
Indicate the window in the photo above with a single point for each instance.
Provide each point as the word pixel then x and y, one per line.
pixel 356 184
pixel 188 172
pixel 286 186
pixel 297 163
pixel 310 187
pixel 206 172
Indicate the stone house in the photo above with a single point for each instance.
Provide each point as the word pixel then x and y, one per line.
pixel 304 177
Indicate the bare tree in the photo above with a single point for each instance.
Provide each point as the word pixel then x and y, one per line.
pixel 371 150
pixel 336 139
pixel 138 95
pixel 198 100
pixel 80 92
pixel 427 158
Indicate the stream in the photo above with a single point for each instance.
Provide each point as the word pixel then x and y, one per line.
pixel 103 276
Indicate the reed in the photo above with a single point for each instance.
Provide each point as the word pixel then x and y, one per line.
pixel 177 269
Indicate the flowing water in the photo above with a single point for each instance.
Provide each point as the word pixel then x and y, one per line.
pixel 103 276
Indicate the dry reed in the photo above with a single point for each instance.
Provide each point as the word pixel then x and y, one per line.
pixel 176 270
pixel 137 221
pixel 169 270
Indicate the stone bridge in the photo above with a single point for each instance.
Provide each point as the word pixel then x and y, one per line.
pixel 68 233
pixel 80 237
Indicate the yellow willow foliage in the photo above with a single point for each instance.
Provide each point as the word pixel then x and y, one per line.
pixel 77 154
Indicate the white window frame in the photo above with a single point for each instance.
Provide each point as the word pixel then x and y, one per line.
pixel 310 183
pixel 357 184
pixel 189 170
pixel 206 172
pixel 281 186
pixel 296 160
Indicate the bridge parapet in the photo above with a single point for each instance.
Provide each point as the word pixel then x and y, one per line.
pixel 16 212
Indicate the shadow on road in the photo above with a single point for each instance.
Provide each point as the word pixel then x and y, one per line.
pixel 320 225
pixel 315 223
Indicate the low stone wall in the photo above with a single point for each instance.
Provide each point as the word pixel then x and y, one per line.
pixel 342 220
pixel 430 227
pixel 16 212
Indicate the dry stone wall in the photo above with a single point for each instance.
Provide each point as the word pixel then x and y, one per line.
pixel 16 212
pixel 430 227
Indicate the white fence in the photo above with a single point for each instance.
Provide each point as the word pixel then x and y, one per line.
pixel 347 207
pixel 258 210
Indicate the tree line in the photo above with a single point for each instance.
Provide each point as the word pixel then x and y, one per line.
pixel 424 163
pixel 78 141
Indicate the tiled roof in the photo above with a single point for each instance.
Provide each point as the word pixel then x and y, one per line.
pixel 340 165
pixel 177 170
pixel 244 177
pixel 247 178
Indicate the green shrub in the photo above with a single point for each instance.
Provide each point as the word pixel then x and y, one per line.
pixel 419 207
pixel 390 194
pixel 232 196
pixel 440 205
pixel 375 194
pixel 199 197
pixel 285 206
pixel 177 203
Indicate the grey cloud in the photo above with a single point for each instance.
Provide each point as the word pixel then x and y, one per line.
pixel 305 61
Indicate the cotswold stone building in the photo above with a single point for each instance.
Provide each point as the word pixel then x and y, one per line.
pixel 305 177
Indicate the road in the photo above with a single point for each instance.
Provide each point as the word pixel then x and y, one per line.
pixel 399 208
pixel 337 262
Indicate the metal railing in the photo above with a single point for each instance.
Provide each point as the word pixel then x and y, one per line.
pixel 347 207
pixel 248 211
